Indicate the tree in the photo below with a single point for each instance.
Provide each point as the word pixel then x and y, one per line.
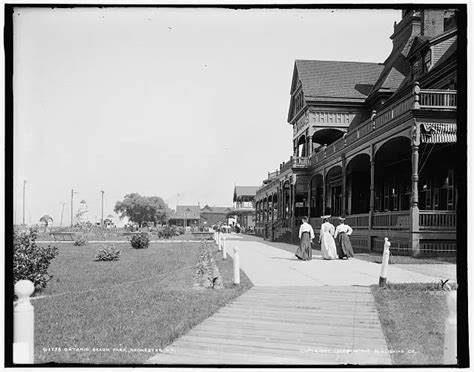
pixel 140 209
pixel 46 219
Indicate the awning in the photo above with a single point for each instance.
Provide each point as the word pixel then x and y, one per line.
pixel 438 132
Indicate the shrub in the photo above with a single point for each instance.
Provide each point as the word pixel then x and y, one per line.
pixel 108 253
pixel 80 240
pixel 167 232
pixel 140 240
pixel 30 261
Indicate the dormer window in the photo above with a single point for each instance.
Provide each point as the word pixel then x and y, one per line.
pixel 416 69
pixel 427 61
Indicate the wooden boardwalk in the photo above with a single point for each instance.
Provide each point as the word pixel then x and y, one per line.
pixel 312 325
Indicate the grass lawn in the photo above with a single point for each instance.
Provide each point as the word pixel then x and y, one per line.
pixel 413 319
pixel 102 312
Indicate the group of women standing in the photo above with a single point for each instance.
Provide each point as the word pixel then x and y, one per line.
pixel 335 242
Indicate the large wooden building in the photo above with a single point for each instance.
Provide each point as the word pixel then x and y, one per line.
pixel 375 143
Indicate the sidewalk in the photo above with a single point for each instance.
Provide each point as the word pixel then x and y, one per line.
pixel 298 312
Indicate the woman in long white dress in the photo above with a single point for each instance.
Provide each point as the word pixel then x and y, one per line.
pixel 328 245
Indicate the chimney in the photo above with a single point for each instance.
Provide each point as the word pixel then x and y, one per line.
pixel 432 22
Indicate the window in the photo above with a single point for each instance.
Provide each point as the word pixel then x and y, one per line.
pixel 427 61
pixel 386 196
pixel 447 191
pixel 427 189
pixel 415 69
pixel 394 198
pixel 298 102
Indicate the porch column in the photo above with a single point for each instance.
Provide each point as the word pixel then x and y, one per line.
pixel 273 208
pixel 372 191
pixel 414 210
pixel 278 203
pixel 414 176
pixel 324 191
pixel 344 191
pixel 259 218
pixel 308 199
pixel 310 146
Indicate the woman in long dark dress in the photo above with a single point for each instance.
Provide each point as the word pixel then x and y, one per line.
pixel 343 243
pixel 306 235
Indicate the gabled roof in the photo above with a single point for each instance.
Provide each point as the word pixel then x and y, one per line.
pixel 245 191
pixel 209 209
pixel 187 211
pixel 336 79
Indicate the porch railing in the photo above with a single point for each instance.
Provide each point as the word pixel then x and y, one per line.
pixel 438 99
pixel 438 220
pixel 358 221
pixel 391 220
pixel 300 162
pixel 272 175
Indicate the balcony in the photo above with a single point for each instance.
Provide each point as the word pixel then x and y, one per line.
pixel 428 99
pixel 295 162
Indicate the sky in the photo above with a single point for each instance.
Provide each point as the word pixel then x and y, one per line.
pixel 164 101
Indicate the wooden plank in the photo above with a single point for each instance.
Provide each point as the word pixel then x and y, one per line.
pixel 335 342
pixel 334 322
pixel 284 333
pixel 295 324
pixel 369 318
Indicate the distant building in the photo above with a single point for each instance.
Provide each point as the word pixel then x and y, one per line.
pixel 376 143
pixel 212 215
pixel 244 205
pixel 186 215
pixel 82 215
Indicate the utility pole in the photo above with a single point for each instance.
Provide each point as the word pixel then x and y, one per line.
pixel 72 206
pixel 102 215
pixel 24 184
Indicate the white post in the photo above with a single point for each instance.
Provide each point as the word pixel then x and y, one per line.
pixel 450 331
pixel 224 250
pixel 23 324
pixel 236 266
pixel 386 255
pixel 219 244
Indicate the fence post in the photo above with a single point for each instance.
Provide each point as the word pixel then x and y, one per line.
pixel 219 238
pixel 450 330
pixel 224 249
pixel 386 255
pixel 23 324
pixel 236 266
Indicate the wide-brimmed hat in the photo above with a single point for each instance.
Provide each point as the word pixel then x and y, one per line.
pixel 324 217
pixel 341 218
